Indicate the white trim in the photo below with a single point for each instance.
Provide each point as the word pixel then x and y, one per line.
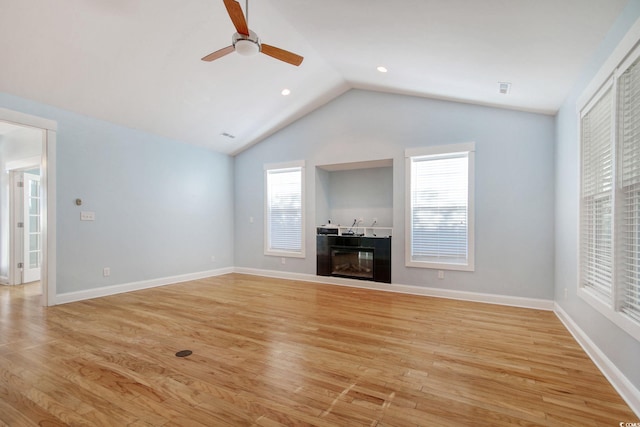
pixel 297 164
pixel 287 254
pixel 617 317
pixel 23 163
pixel 4 280
pixel 617 56
pixel 448 149
pixel 594 99
pixel 534 303
pixel 624 55
pixel 440 149
pixel 628 62
pixel 48 174
pixel 364 164
pixel 137 286
pixel 618 380
pixel 284 165
pixel 23 119
pixel 48 185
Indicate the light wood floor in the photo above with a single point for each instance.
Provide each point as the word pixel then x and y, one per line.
pixel 272 352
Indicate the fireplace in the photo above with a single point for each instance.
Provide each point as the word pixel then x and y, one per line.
pixel 355 257
pixel 352 262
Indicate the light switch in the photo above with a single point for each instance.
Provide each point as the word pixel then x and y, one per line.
pixel 87 216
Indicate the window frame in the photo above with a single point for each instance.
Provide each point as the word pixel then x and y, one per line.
pixel 435 151
pixel 281 167
pixel 595 199
pixel 611 308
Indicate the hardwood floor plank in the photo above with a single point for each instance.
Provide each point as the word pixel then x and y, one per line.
pixel 270 352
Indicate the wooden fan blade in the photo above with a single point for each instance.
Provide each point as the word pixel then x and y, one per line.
pixel 281 54
pixel 218 53
pixel 237 17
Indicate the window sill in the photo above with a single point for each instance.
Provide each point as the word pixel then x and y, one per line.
pixel 617 317
pixel 440 265
pixel 285 254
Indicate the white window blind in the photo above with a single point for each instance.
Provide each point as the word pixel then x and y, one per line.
pixel 439 211
pixel 629 193
pixel 284 216
pixel 597 197
pixel 609 271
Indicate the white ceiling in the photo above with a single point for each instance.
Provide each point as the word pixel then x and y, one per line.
pixel 137 62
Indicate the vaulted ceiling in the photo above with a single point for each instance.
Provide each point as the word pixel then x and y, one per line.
pixel 137 62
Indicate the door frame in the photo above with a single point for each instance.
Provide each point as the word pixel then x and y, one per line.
pixel 48 187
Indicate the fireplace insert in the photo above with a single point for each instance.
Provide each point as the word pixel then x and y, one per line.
pixel 352 262
pixel 355 257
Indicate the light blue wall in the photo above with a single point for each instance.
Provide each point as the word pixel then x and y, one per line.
pixel 162 207
pixel 360 193
pixel 620 347
pixel 514 184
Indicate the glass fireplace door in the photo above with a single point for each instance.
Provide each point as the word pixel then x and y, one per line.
pixel 353 262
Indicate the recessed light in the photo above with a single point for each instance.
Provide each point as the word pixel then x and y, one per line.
pixel 285 92
pixel 382 69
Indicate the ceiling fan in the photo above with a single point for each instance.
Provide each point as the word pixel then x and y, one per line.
pixel 246 42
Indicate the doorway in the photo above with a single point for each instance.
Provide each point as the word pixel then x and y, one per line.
pixel 27 202
pixel 25 218
pixel 20 212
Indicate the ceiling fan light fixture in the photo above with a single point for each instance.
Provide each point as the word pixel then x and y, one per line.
pixel 245 42
pixel 247 47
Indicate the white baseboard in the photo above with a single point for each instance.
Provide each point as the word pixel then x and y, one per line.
pixel 136 286
pixel 540 304
pixel 618 380
pixel 4 280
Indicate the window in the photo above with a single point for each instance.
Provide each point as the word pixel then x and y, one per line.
pixel 284 210
pixel 597 195
pixel 610 197
pixel 440 207
pixel 629 191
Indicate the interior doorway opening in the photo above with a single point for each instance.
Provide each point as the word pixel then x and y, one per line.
pixel 25 218
pixel 21 204
pixel 27 203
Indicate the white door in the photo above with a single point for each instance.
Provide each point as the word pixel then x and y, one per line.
pixel 32 228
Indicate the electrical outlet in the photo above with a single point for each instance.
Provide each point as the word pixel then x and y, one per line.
pixel 440 274
pixel 566 293
pixel 283 260
pixel 106 272
pixel 213 258
pixel 250 220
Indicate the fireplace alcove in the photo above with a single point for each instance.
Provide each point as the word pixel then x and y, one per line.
pixel 356 197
